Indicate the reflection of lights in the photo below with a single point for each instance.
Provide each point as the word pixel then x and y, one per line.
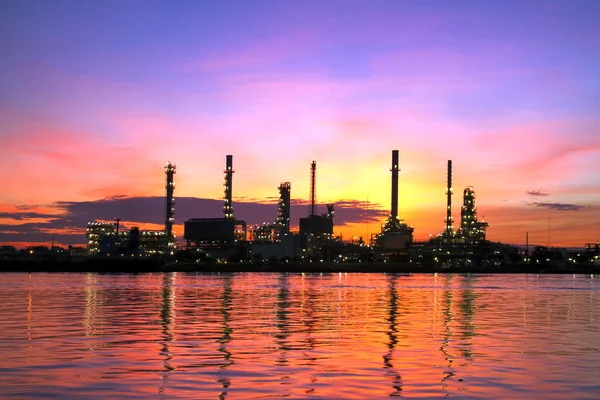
pixel 91 305
pixel 29 301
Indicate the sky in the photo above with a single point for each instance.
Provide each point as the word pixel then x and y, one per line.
pixel 95 97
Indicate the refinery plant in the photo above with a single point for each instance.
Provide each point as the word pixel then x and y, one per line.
pixel 210 241
pixel 228 239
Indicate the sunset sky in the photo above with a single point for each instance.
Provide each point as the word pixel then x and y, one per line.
pixel 95 97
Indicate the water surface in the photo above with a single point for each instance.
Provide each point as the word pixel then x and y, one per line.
pixel 254 335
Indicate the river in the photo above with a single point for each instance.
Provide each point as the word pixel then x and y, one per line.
pixel 254 335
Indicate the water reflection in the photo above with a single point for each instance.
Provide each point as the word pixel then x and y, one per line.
pixel 225 338
pixel 308 314
pixel 167 321
pixel 291 335
pixel 92 304
pixel 29 308
pixel 281 318
pixel 466 305
pixel 447 320
pixel 392 333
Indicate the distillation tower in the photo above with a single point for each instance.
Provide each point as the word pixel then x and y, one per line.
pixel 272 232
pixel 170 170
pixel 471 229
pixel 283 213
pixel 312 210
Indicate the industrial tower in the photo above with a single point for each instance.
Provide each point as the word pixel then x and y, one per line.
pixel 283 214
pixel 449 232
pixel 313 189
pixel 395 169
pixel 227 208
pixel 394 223
pixel 170 170
pixel 315 228
pixel 395 236
pixel 470 228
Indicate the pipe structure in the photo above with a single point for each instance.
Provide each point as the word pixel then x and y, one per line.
pixel 170 170
pixel 394 169
pixel 471 229
pixel 468 215
pixel 330 211
pixel 313 188
pixel 283 214
pixel 449 226
pixel 227 208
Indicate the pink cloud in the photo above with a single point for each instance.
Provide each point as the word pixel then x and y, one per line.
pixel 50 162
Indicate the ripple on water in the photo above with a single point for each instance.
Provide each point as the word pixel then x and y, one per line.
pixel 294 335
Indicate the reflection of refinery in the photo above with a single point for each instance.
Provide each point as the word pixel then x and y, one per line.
pixel 227 239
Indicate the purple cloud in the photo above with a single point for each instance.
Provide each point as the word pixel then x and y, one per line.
pixel 69 227
pixel 560 206
pixel 537 193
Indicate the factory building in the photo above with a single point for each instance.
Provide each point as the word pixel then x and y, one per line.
pixel 104 239
pixel 319 226
pixel 96 232
pixel 287 247
pixel 209 231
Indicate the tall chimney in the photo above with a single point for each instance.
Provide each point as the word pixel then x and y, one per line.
pixel 227 208
pixel 313 188
pixel 395 169
pixel 449 227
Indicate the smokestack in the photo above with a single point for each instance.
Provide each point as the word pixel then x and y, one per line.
pixel 170 170
pixel 227 208
pixel 395 169
pixel 449 201
pixel 313 188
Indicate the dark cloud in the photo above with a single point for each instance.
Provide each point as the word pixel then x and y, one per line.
pixel 21 216
pixel 537 193
pixel 560 206
pixel 65 227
